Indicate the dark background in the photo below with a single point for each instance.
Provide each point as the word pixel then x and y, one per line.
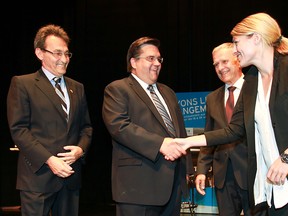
pixel 101 32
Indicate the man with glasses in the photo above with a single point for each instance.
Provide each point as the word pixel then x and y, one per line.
pixel 143 181
pixel 50 124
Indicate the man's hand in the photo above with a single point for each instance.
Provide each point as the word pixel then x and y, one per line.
pixel 59 167
pixel 200 183
pixel 171 150
pixel 72 154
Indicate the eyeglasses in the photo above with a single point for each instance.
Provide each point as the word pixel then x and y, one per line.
pixel 59 54
pixel 153 58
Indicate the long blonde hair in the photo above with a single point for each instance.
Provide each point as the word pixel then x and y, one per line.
pixel 267 27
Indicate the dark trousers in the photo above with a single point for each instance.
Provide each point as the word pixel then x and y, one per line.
pixel 61 203
pixel 232 199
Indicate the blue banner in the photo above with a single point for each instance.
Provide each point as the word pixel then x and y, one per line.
pixel 193 106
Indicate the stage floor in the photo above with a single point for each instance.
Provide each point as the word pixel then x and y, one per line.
pixel 104 210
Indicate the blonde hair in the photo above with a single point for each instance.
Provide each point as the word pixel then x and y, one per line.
pixel 267 27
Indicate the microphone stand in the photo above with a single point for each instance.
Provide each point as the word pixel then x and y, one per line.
pixel 191 185
pixel 191 203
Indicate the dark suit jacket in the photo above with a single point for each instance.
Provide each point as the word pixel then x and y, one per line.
pixel 39 129
pixel 140 174
pixel 219 155
pixel 242 122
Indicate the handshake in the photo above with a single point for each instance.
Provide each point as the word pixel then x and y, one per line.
pixel 172 149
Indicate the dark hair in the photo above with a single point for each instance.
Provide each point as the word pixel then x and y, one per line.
pixel 45 31
pixel 134 50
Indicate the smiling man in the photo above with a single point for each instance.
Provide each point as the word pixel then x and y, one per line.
pixel 50 124
pixel 142 117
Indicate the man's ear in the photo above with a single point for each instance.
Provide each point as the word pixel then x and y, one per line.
pixel 133 62
pixel 39 53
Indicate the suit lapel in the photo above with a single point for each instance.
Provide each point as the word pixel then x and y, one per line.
pixel 145 98
pixel 42 82
pixel 72 97
pixel 248 96
pixel 250 90
pixel 222 109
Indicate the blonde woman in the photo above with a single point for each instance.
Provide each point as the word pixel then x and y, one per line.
pixel 261 113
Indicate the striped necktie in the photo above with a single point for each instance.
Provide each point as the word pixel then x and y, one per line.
pixel 61 96
pixel 161 109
